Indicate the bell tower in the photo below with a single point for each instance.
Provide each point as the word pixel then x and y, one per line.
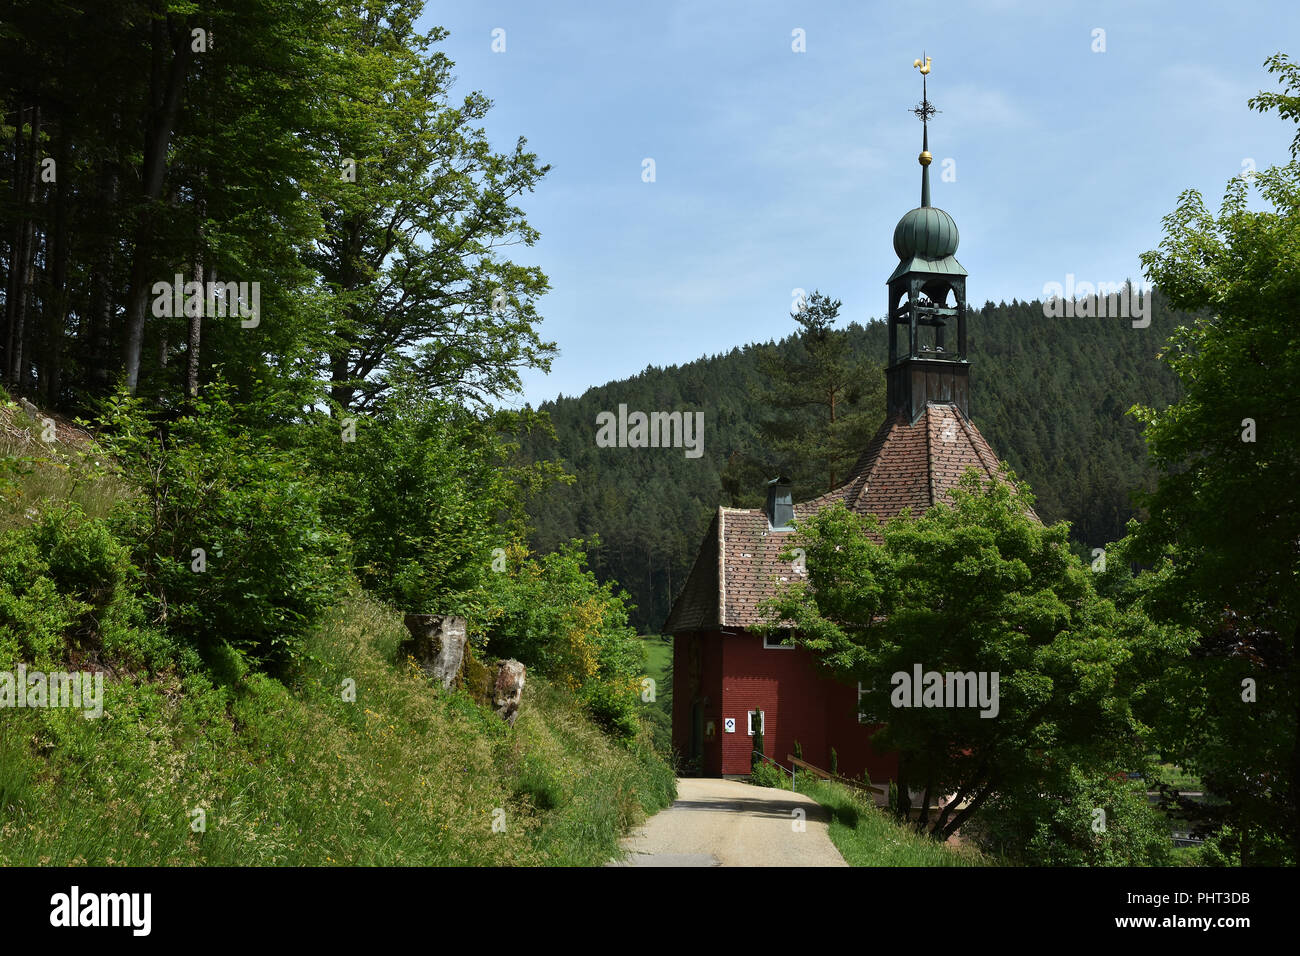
pixel 927 299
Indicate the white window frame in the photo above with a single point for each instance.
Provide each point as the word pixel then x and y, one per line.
pixel 779 646
pixel 749 719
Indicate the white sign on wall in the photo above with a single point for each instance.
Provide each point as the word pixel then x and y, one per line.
pixel 729 724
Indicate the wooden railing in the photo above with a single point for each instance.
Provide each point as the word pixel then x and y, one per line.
pixel 875 789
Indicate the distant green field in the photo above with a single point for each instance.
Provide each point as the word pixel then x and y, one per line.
pixel 1178 778
pixel 659 659
pixel 659 667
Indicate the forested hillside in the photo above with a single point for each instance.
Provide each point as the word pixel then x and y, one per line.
pixel 1050 394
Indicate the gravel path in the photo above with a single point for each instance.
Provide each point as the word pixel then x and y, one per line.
pixel 727 823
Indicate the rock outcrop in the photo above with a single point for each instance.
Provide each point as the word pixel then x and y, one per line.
pixel 438 644
pixel 509 690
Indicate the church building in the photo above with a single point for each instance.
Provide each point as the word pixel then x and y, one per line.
pixel 725 677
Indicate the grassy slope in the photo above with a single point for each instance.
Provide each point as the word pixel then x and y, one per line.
pixel 404 775
pixel 66 469
pixel 866 836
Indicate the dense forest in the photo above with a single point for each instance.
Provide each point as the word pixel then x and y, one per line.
pixel 271 194
pixel 1050 394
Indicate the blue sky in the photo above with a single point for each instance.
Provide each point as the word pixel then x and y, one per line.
pixel 777 170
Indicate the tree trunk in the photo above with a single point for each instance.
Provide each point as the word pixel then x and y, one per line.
pixel 101 296
pixel 22 373
pixel 13 279
pixel 966 814
pixel 1295 759
pixel 195 326
pixel 26 178
pixel 924 817
pixel 904 805
pixel 351 276
pixel 942 821
pixel 164 109
pixel 831 443
pixel 56 303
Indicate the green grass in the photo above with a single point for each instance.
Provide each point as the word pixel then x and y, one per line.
pixel 659 667
pixel 70 468
pixel 1178 778
pixel 658 716
pixel 867 836
pixel 658 658
pixel 405 775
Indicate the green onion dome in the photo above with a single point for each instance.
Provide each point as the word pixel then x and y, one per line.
pixel 927 233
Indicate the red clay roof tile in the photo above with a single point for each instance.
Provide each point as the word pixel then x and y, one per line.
pixel 905 465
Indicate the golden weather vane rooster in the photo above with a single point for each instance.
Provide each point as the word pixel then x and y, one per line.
pixel 924 110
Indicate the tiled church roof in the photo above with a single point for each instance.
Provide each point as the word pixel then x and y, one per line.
pixel 906 465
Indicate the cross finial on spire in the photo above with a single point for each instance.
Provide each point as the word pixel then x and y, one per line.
pixel 924 110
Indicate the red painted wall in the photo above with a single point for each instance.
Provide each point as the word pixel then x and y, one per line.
pixel 736 674
pixel 697 675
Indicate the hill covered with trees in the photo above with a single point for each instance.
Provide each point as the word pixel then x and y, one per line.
pixel 1050 394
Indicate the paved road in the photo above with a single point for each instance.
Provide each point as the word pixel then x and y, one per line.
pixel 728 823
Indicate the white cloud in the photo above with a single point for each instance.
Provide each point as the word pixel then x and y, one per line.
pixel 966 106
pixel 1204 89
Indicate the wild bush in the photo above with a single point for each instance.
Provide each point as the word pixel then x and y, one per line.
pixel 67 584
pixel 1080 821
pixel 227 528
pixel 420 490
pixel 765 774
pixel 551 613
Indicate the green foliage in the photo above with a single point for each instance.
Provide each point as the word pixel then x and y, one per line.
pixel 822 399
pixel 610 707
pixel 868 836
pixel 66 584
pixel 85 561
pixel 269 564
pixel 401 777
pixel 12 468
pixel 978 585
pixel 1063 826
pixel 35 619
pixel 765 774
pixel 657 715
pixel 419 289
pixel 659 722
pixel 1222 848
pixel 375 220
pixel 551 614
pixel 390 287
pixel 1220 542
pixel 421 492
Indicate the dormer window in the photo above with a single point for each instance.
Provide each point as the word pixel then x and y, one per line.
pixel 780 505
